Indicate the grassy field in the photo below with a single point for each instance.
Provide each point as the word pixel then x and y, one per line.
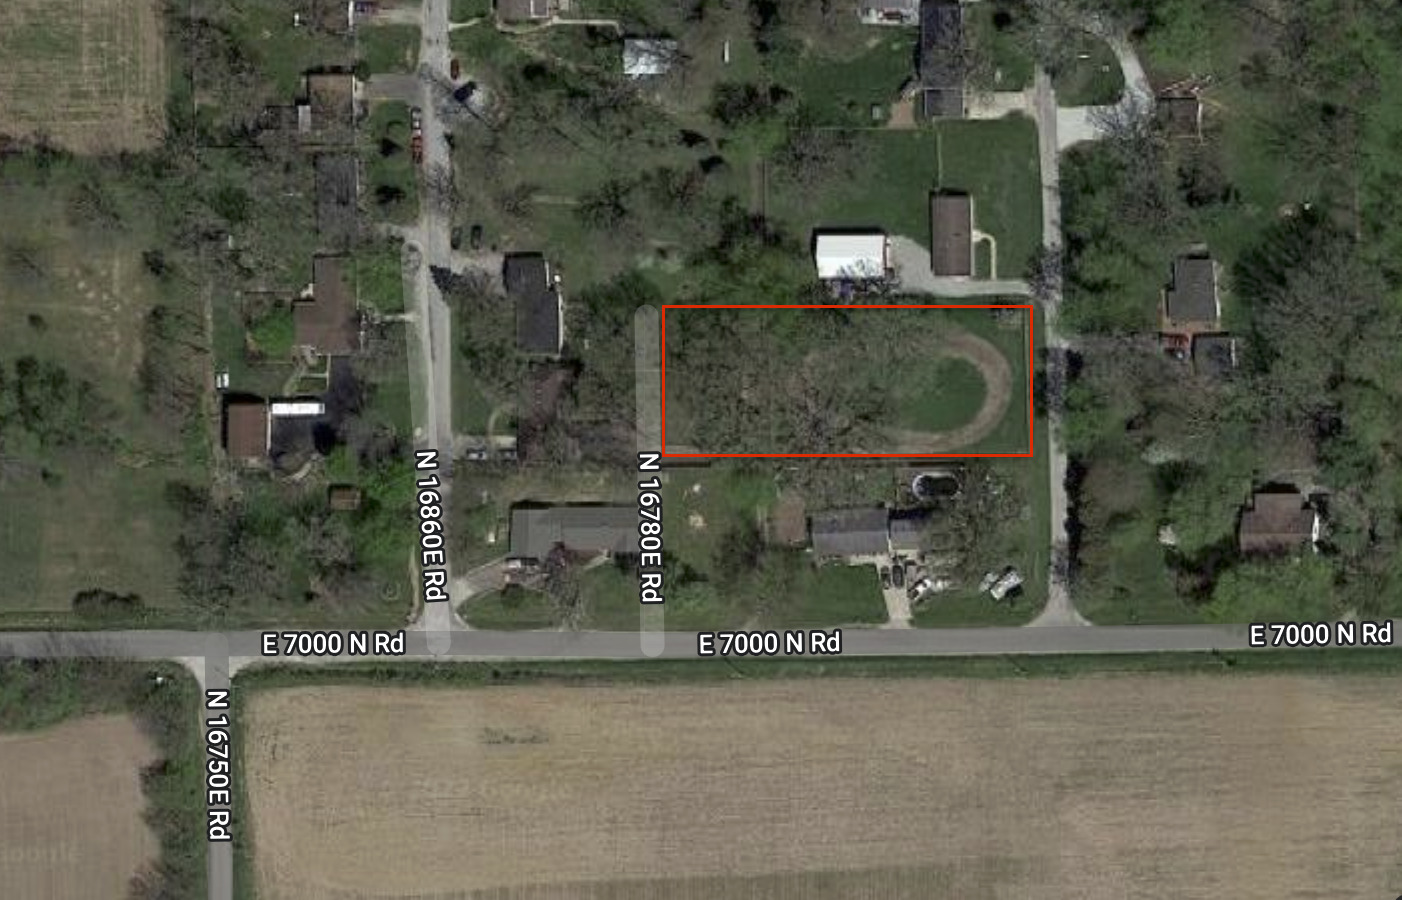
pixel 1092 78
pixel 388 48
pixel 103 775
pixel 391 178
pixel 91 79
pixel 989 28
pixel 995 162
pixel 962 787
pixel 839 85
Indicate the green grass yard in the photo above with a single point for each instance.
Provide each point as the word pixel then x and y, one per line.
pixel 944 395
pixel 1092 78
pixel 388 48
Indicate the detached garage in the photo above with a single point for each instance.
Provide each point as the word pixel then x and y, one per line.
pixel 850 257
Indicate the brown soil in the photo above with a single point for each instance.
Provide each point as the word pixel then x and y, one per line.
pixel 70 823
pixel 89 77
pixel 1129 787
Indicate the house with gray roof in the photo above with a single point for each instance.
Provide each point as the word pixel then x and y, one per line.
pixel 849 532
pixel 1191 304
pixel 940 64
pixel 586 530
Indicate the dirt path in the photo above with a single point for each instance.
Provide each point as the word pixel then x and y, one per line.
pixel 998 384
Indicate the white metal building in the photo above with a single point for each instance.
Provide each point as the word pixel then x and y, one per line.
pixel 851 257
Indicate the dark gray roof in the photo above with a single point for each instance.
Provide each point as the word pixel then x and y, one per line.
pixel 951 234
pixel 908 530
pixel 941 61
pixel 529 285
pixel 581 529
pixel 849 532
pixel 1193 296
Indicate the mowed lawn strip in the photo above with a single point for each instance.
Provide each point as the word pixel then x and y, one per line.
pixel 918 784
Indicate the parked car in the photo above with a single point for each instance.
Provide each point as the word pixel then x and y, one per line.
pixel 918 589
pixel 416 120
pixel 898 575
pixel 454 70
pixel 886 577
pixel 416 148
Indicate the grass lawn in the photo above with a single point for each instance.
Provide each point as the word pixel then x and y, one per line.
pixel 839 87
pixel 466 10
pixel 471 410
pixel 996 162
pixel 944 395
pixel 1093 77
pixel 380 278
pixel 989 28
pixel 392 187
pixel 279 51
pixel 388 48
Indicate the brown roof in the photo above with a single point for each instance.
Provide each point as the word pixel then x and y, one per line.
pixel 523 10
pixel 332 99
pixel 327 322
pixel 1276 522
pixel 246 428
pixel 343 496
pixel 951 234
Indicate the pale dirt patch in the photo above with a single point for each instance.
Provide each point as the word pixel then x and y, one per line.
pixel 1127 787
pixel 70 820
pixel 89 76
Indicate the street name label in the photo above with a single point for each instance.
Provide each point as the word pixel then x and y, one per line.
pixel 769 643
pixel 649 531
pixel 333 643
pixel 433 559
pixel 1321 634
pixel 218 769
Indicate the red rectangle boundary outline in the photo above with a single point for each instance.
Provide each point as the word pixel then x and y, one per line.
pixel 1031 368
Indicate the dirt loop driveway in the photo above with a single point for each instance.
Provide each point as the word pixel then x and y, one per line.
pixel 998 388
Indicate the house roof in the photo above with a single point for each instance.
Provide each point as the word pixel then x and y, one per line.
pixel 246 428
pixel 337 181
pixel 850 256
pixel 1192 299
pixel 531 287
pixel 941 58
pixel 647 56
pixel 327 322
pixel 343 497
pixel 907 530
pixel 331 96
pixel 581 529
pixel 951 234
pixel 1276 520
pixel 522 10
pixel 849 532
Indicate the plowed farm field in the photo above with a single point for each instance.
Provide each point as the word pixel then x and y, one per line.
pixel 89 76
pixel 1098 787
pixel 70 821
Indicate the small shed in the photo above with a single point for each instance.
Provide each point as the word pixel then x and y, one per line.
pixel 343 497
pixel 851 256
pixel 952 235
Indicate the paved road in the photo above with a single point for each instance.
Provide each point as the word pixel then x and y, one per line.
pixel 245 647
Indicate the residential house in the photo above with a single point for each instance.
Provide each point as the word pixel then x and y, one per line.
pixel 246 432
pixel 850 532
pixel 648 57
pixel 328 322
pixel 522 12
pixel 889 12
pixel 851 256
pixel 1278 522
pixel 906 531
pixel 951 235
pixel 337 193
pixel 585 530
pixel 1191 304
pixel 540 314
pixel 941 60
